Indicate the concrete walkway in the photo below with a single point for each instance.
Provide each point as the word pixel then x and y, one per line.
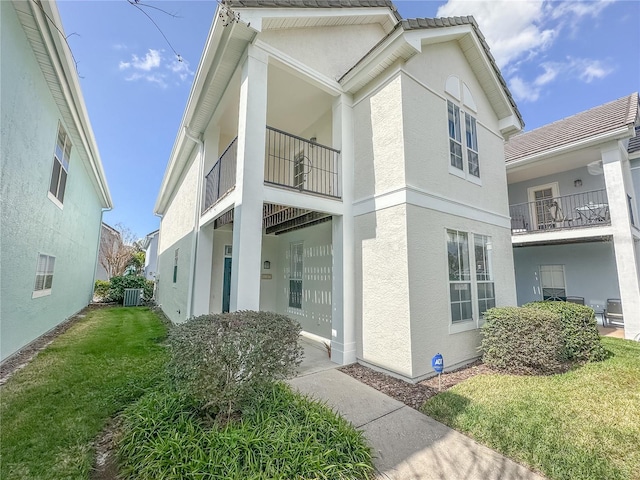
pixel 406 444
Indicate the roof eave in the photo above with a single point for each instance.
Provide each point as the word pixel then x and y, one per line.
pixel 619 133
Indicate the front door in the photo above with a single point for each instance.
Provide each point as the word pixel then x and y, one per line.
pixel 226 286
pixel 541 199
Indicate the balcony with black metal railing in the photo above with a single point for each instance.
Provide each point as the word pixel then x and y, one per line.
pixel 291 162
pixel 580 210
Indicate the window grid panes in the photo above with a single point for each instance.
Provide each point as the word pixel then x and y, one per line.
pixel 459 276
pixel 44 272
pixel 472 145
pixel 484 274
pixel 295 274
pixel 61 157
pixel 455 137
pixel 552 282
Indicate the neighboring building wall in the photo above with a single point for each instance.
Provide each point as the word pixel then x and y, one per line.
pixel 177 234
pixel 151 259
pixel 107 237
pixel 31 223
pixel 518 192
pixel 590 271
pixel 635 177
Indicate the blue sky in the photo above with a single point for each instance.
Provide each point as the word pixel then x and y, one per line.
pixel 558 58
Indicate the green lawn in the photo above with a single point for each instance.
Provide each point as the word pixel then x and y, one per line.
pixel 584 424
pixel 54 408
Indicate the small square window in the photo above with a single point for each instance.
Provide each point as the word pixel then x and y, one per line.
pixel 175 265
pixel 44 275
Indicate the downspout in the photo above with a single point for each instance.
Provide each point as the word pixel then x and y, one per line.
pixel 156 289
pixel 196 220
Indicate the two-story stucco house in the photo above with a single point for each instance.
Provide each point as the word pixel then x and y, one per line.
pixel 345 167
pixel 573 190
pixel 53 185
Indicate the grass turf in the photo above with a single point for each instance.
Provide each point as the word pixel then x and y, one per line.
pixel 582 424
pixel 54 408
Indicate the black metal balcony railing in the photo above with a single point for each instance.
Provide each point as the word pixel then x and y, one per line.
pixel 297 163
pixel 222 177
pixel 586 209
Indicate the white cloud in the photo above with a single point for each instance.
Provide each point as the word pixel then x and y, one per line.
pixel 584 69
pixel 521 31
pixel 154 68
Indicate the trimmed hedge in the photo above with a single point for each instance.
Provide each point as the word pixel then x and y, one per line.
pixel 221 360
pixel 523 340
pixel 579 330
pixel 118 285
pixel 101 288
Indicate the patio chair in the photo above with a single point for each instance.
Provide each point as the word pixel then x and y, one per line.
pixel 613 312
pixel 556 213
pixel 578 300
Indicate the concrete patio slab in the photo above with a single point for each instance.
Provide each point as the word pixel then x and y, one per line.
pixel 407 445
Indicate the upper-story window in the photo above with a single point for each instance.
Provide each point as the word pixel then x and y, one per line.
pixel 61 156
pixel 464 161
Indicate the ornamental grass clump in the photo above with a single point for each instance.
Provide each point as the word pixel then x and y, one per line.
pixel 579 330
pixel 220 360
pixel 523 340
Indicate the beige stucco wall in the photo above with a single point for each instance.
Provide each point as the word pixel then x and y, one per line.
pixel 383 328
pixel 328 50
pixel 429 287
pixel 379 145
pixel 176 232
pixel 426 130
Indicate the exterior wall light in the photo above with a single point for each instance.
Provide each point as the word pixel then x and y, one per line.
pixel 266 265
pixel 577 183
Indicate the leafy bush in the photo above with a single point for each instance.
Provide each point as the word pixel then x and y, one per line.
pixel 282 435
pixel 220 360
pixel 523 340
pixel 579 329
pixel 118 285
pixel 101 289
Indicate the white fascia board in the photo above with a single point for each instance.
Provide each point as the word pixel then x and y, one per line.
pixel 393 43
pixel 561 235
pixel 212 56
pixel 616 134
pixel 67 77
pixel 253 17
pixel 509 126
pixel 428 36
pixel 301 200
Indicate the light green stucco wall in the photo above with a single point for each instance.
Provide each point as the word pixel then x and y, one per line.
pixel 31 223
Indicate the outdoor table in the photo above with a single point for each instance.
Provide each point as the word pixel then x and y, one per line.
pixel 594 212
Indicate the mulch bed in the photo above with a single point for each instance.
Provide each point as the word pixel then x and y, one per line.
pixel 413 395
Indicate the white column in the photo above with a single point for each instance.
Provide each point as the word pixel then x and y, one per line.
pixel 204 263
pixel 614 160
pixel 343 336
pixel 247 220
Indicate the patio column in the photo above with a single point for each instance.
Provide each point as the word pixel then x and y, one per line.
pixel 618 183
pixel 343 339
pixel 247 220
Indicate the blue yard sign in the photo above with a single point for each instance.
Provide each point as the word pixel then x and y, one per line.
pixel 437 363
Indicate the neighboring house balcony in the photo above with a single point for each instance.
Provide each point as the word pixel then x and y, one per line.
pixel 556 215
pixel 291 162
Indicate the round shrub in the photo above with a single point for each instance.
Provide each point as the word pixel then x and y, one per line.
pixel 221 360
pixel 522 340
pixel 579 330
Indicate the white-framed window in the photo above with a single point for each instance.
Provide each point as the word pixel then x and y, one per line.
pixel 485 288
pixel 296 256
pixel 455 135
pixel 470 295
pixel 459 276
pixel 44 275
pixel 471 131
pixel 552 282
pixel 59 172
pixel 463 162
pixel 175 265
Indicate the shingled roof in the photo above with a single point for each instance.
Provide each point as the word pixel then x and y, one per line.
pixel 426 23
pixel 596 121
pixel 313 4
